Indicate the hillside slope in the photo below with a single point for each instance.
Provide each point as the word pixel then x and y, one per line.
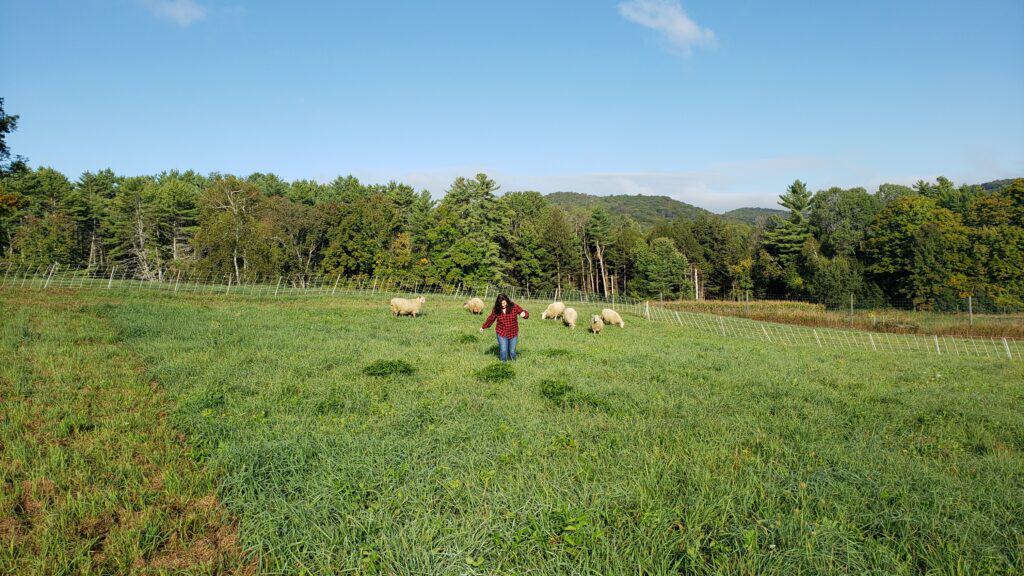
pixel 750 215
pixel 644 209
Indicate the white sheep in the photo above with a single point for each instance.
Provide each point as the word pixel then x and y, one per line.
pixel 474 305
pixel 554 310
pixel 596 324
pixel 569 317
pixel 610 316
pixel 406 307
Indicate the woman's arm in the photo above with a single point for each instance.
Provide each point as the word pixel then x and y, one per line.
pixel 522 312
pixel 487 324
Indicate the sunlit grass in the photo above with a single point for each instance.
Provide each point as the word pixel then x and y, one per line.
pixel 649 449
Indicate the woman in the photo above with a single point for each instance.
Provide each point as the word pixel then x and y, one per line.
pixel 507 313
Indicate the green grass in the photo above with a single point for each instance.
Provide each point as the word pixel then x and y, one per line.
pixel 94 479
pixel 650 449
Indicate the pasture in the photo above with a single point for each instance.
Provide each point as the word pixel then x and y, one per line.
pixel 160 432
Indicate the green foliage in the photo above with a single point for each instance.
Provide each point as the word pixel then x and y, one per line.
pixel 840 218
pixel 662 270
pixel 262 226
pixel 915 250
pixel 42 241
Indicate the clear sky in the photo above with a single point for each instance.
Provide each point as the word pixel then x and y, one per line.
pixel 718 103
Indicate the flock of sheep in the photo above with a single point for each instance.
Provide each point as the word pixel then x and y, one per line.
pixel 569 315
pixel 555 310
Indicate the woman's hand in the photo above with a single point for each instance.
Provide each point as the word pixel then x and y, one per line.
pixel 481 330
pixel 522 314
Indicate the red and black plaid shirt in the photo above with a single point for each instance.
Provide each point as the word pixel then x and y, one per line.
pixel 508 323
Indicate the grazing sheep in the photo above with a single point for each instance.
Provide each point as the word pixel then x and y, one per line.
pixel 406 307
pixel 569 317
pixel 474 305
pixel 610 316
pixel 596 324
pixel 554 310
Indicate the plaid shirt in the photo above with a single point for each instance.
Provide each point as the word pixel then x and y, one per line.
pixel 508 324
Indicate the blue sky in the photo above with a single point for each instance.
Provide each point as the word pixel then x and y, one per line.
pixel 717 103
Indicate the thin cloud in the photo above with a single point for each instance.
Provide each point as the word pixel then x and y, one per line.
pixel 668 18
pixel 180 12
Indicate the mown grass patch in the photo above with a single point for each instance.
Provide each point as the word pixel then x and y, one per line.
pixel 93 478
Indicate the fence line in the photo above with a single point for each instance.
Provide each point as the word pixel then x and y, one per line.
pixel 56 276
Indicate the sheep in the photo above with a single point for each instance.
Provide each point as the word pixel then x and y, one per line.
pixel 596 324
pixel 569 317
pixel 610 316
pixel 406 307
pixel 474 305
pixel 554 310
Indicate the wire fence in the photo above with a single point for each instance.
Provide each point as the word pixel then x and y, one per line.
pixel 729 326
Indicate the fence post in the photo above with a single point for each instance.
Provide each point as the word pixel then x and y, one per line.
pixel 111 280
pixel 746 306
pixel 937 350
pixel 278 286
pixel 851 308
pixel 229 285
pixel 647 310
pixel 816 339
pixel 50 275
pixel 336 280
pixel 970 312
pixel 1006 345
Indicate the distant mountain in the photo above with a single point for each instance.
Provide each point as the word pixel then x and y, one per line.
pixel 750 215
pixel 997 184
pixel 644 209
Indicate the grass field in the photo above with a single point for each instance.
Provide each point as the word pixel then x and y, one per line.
pixel 322 435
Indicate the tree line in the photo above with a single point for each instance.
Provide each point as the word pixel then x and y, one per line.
pixel 931 244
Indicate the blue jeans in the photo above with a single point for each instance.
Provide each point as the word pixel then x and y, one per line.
pixel 507 348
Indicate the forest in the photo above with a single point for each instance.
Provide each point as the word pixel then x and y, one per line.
pixel 926 246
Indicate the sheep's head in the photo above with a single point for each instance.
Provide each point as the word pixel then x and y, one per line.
pixel 595 319
pixel 421 300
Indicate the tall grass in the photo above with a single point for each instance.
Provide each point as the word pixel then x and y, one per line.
pixel 649 449
pixel 876 320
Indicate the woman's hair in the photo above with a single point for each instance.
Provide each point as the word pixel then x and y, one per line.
pixel 497 303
